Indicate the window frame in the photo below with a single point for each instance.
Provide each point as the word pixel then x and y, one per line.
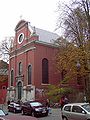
pixel 45 71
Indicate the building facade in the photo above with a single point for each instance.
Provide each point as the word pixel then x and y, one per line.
pixel 31 65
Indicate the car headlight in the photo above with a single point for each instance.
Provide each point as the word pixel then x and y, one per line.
pixel 37 109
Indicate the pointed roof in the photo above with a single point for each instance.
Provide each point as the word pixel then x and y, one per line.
pixel 44 35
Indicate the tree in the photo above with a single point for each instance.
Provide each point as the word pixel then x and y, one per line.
pixel 76 23
pixel 85 5
pixel 5 46
pixel 67 59
pixel 55 92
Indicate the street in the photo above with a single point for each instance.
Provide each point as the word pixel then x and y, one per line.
pixel 56 114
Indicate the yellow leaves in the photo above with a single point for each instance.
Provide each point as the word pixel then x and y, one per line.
pixel 68 56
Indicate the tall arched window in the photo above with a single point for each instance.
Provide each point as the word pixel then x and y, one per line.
pixel 20 68
pixel 29 74
pixel 45 71
pixel 12 77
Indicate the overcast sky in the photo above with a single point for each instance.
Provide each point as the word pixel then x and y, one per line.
pixel 41 14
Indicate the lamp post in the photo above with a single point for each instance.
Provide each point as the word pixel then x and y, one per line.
pixel 78 65
pixel 78 77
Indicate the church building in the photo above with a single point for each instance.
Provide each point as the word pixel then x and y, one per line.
pixel 32 62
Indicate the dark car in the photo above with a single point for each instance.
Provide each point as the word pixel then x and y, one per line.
pixel 14 107
pixel 34 108
pixel 76 111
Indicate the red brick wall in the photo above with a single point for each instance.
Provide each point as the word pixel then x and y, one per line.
pixel 42 52
pixel 3 93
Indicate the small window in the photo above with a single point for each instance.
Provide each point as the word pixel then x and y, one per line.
pixel 20 68
pixel 67 108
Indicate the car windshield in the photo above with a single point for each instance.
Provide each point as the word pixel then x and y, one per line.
pixel 86 107
pixel 2 113
pixel 17 105
pixel 35 104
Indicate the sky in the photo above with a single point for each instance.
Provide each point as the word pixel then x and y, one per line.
pixel 40 13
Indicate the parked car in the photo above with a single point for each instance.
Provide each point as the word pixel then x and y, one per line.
pixel 2 113
pixel 6 116
pixel 14 107
pixel 34 108
pixel 76 111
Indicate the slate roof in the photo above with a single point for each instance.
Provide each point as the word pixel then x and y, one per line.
pixel 45 35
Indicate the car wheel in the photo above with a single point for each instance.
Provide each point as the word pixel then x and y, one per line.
pixel 8 110
pixel 46 114
pixel 64 118
pixel 33 114
pixel 14 111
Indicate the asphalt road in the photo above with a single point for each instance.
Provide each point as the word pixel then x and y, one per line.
pixel 55 115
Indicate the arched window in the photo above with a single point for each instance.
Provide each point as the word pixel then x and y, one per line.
pixel 12 77
pixel 45 71
pixel 29 74
pixel 20 68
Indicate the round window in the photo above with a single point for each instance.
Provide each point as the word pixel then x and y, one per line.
pixel 20 38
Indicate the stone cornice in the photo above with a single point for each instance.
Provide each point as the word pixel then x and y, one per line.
pixel 30 46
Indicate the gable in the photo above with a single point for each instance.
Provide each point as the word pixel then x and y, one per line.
pixel 20 24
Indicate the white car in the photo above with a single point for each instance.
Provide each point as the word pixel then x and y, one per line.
pixel 14 107
pixel 76 111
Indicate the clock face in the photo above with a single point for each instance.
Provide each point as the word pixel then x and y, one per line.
pixel 20 38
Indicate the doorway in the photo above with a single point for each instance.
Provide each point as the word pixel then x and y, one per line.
pixel 19 88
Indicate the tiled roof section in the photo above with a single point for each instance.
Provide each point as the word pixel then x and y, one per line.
pixel 3 72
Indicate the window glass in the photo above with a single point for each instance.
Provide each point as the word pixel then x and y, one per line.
pixel 87 107
pixel 35 104
pixel 29 74
pixel 67 108
pixel 77 109
pixel 2 113
pixel 45 71
pixel 12 77
pixel 20 68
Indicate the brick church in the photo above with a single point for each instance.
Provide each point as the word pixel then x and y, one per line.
pixel 31 65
